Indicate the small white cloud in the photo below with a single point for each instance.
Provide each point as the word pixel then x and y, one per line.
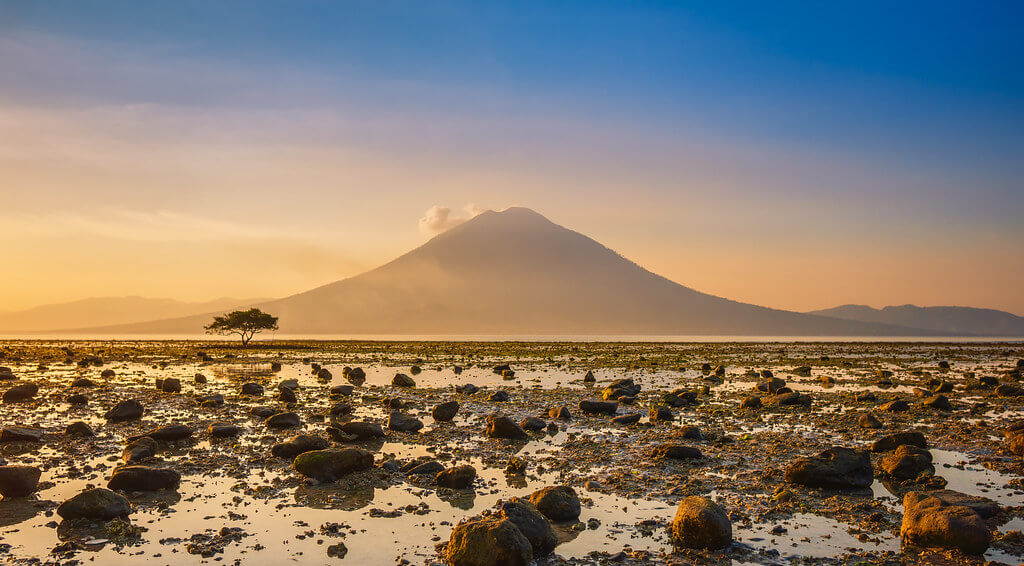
pixel 439 219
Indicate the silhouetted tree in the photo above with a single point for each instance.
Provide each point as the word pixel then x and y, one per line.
pixel 243 323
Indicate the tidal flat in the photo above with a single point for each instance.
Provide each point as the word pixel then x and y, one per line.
pixel 632 428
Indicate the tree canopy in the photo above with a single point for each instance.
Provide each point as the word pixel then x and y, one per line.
pixel 246 324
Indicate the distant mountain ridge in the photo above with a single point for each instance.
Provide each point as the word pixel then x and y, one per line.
pixel 103 311
pixel 517 273
pixel 968 321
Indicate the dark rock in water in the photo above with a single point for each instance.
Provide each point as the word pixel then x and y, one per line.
pixel 21 392
pixel 508 375
pixel 20 434
pixel 143 478
pixel 254 389
pixel 939 402
pixel 700 523
pixel 660 413
pixel 771 385
pixel 457 369
pixel 337 550
pixel 403 423
pixel 459 477
pixel 498 369
pixel 751 403
pixel 534 526
pixel 589 377
pixel 627 419
pixel 210 401
pixel 561 413
pixel 6 374
pixel 932 523
pixel 533 423
pixel 360 429
pixel 342 390
pixel 339 410
pixel 895 406
pixel 467 389
pixel 333 463
pixel 166 433
pixel 432 467
pixel 980 505
pixel 906 463
pixel 262 412
pixel 76 399
pixel 283 420
pixel 690 432
pixel 140 449
pixel 126 410
pixel 445 411
pixel 393 403
pixel 500 426
pixel 676 452
pixel 869 420
pixel 835 468
pixel 558 503
pixel 943 364
pixel 97 504
pixel 893 441
pixel 793 398
pixel 597 406
pixel 323 374
pixel 199 378
pixel 865 397
pixel 402 380
pixel 171 385
pixel 222 430
pixel 942 387
pixel 297 445
pixel 275 366
pixel 499 397
pixel 18 481
pixel 803 371
pixel 620 388
pixel 83 382
pixel 488 541
pixel 287 395
pixel 79 428
pixel 356 376
pixel 1009 390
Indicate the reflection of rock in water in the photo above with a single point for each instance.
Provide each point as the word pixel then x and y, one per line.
pixel 243 371
pixel 332 496
pixel 567 532
pixel 459 498
pixel 515 481
pixel 163 498
pixel 16 510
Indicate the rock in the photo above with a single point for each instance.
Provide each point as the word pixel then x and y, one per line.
pixel 222 430
pixel 341 390
pixel 931 522
pixel 446 411
pixel 323 374
pixel 254 389
pixel 467 389
pixel 76 399
pixel 126 410
pixel 457 370
pixel 143 478
pixel 700 523
pixel 690 432
pixel 488 541
pixel 83 382
pixel 433 467
pixel 287 395
pixel 835 468
pixel 96 504
pixel 283 420
pixel 534 526
pixel 980 505
pixel 262 412
pixel 140 449
pixel 676 452
pixel 558 503
pixel 596 406
pixel 20 434
pixel 361 430
pixel 166 433
pixel 18 481
pixel 589 377
pixel 793 398
pixel 939 402
pixel 508 375
pixel 459 477
pixel 356 376
pixel 393 403
pixel 771 385
pixel 210 401
pixel 171 385
pixel 660 413
pixel 21 392
pixel 500 426
pixel 340 410
pixel 275 366
pixel 199 378
pixel 561 413
pixel 1009 390
pixel 803 371
pixel 402 380
pixel 533 423
pixel 895 406
pixel 337 550
pixel 79 428
pixel 892 441
pixel 906 463
pixel 403 423
pixel 865 397
pixel 627 419
pixel 297 445
pixel 499 397
pixel 869 420
pixel 332 463
pixel 751 402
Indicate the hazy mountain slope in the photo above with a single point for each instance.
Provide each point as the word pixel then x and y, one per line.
pixel 515 272
pixel 103 311
pixel 954 320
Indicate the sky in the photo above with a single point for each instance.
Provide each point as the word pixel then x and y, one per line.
pixel 797 155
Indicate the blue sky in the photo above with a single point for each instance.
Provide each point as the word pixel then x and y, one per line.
pixel 878 124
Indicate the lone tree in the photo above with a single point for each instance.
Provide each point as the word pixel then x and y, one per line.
pixel 243 323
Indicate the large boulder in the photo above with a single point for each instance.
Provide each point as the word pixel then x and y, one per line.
pixel 97 504
pixel 356 376
pixel 894 441
pixel 298 445
pixel 126 410
pixel 906 463
pixel 18 481
pixel 402 380
pixel 534 526
pixel 488 541
pixel 933 523
pixel 402 422
pixel 445 411
pixel 20 392
pixel 332 463
pixel 500 426
pixel 283 420
pixel 356 430
pixel 143 478
pixel 167 433
pixel 20 434
pixel 459 477
pixel 675 451
pixel 835 468
pixel 701 523
pixel 597 406
pixel 138 450
pixel 558 503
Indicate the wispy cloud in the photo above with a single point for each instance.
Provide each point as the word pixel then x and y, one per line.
pixel 439 219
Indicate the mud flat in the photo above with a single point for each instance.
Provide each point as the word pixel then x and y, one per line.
pixel 354 452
